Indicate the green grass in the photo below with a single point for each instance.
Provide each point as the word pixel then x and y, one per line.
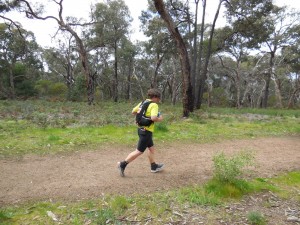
pixel 290 179
pixel 255 111
pixel 197 195
pixel 289 183
pixel 41 127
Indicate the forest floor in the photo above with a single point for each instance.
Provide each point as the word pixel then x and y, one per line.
pixel 90 174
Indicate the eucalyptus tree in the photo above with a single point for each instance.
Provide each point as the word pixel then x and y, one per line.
pixel 142 73
pixel 126 59
pixel 186 23
pixel 267 28
pixel 203 70
pixel 236 48
pixel 281 24
pixel 159 46
pixel 171 84
pixel 102 65
pixel 254 83
pixel 292 62
pixel 68 25
pixel 187 97
pixel 194 52
pixel 18 54
pixel 198 54
pixel 63 60
pixel 247 19
pixel 112 21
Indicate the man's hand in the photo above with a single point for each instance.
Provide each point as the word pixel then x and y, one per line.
pixel 157 119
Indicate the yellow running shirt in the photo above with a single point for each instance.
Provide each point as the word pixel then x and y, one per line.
pixel 151 111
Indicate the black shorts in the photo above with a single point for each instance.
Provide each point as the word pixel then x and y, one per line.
pixel 145 139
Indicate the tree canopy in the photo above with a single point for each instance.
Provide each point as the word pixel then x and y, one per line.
pixel 253 60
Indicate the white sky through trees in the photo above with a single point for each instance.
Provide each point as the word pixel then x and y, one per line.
pixel 43 30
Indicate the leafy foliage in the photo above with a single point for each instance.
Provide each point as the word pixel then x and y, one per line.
pixel 47 88
pixel 229 169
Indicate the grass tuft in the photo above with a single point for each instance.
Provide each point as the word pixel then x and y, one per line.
pixel 256 218
pixel 120 203
pixel 197 195
pixel 234 189
pixel 5 216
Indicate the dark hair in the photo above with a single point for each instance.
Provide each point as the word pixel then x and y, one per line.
pixel 152 93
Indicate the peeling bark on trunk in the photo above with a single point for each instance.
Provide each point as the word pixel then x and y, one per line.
pixel 85 65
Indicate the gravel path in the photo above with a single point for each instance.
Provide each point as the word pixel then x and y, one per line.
pixel 86 175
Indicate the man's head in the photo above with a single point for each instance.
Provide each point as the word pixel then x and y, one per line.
pixel 153 93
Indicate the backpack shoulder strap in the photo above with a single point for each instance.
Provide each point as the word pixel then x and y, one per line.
pixel 145 104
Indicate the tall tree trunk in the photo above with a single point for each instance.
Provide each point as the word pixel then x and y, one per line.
pixel 195 53
pixel 292 98
pixel 247 98
pixel 158 64
pixel 238 91
pixel 203 76
pixel 268 80
pixel 198 71
pixel 139 83
pixel 12 92
pixel 3 92
pixel 85 64
pixel 238 85
pixel 129 75
pixel 69 77
pixel 277 90
pixel 260 99
pixel 266 91
pixel 175 84
pixel 115 80
pixel 187 89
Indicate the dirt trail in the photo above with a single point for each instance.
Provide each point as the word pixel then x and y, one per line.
pixel 88 175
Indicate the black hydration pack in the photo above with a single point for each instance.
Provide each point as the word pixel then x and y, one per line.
pixel 141 119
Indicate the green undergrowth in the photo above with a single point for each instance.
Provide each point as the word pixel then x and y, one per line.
pixel 39 127
pixel 118 209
